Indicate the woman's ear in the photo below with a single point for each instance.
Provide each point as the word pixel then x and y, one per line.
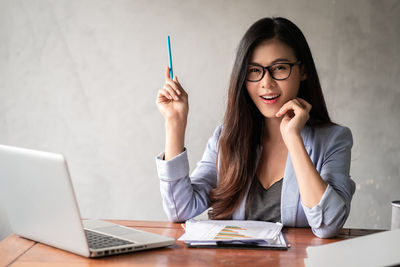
pixel 303 72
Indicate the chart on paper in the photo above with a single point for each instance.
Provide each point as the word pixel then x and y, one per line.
pixel 230 232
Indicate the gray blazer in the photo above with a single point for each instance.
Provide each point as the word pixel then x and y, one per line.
pixel 329 148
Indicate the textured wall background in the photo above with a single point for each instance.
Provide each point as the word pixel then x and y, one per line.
pixel 81 77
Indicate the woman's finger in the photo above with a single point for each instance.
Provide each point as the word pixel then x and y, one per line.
pixel 293 104
pixel 180 86
pixel 297 104
pixel 290 105
pixel 175 86
pixel 163 93
pixel 167 74
pixel 305 104
pixel 171 91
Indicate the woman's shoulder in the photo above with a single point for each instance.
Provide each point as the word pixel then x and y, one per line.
pixel 331 129
pixel 327 134
pixel 213 140
pixel 217 132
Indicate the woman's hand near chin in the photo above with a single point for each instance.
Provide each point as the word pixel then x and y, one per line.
pixel 295 114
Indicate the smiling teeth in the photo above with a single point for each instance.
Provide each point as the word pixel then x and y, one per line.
pixel 270 97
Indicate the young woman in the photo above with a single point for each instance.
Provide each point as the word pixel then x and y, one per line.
pixel 277 156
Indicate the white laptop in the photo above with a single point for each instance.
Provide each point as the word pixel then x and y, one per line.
pixel 38 197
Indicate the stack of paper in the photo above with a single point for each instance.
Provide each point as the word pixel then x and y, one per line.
pixel 244 234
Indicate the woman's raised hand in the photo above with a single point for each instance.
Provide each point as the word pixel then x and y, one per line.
pixel 172 100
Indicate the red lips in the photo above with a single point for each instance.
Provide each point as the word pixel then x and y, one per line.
pixel 270 99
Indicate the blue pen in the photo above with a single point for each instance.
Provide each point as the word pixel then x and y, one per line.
pixel 171 72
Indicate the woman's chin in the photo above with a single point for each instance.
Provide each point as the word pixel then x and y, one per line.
pixel 270 115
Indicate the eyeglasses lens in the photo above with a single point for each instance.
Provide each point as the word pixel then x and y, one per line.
pixel 278 71
pixel 254 73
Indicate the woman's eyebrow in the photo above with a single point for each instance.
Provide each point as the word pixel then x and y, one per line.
pixel 273 62
pixel 280 60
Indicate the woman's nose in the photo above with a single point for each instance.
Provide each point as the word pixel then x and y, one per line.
pixel 267 81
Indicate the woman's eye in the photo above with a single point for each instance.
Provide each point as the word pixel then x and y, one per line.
pixel 255 70
pixel 279 67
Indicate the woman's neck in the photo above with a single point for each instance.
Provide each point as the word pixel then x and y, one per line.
pixel 272 132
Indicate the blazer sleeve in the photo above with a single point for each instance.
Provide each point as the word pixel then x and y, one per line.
pixel 330 214
pixel 184 196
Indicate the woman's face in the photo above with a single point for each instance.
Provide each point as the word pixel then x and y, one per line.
pixel 268 94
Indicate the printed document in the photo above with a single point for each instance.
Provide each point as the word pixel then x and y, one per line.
pixel 227 231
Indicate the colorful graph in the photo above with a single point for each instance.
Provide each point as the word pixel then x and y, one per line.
pixel 231 232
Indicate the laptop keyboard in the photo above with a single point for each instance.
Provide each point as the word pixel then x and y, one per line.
pixel 97 240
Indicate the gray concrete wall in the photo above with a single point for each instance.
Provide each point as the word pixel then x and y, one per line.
pixel 81 77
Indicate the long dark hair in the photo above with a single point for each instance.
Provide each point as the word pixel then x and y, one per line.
pixel 243 122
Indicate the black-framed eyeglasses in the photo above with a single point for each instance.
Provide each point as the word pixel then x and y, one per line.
pixel 278 71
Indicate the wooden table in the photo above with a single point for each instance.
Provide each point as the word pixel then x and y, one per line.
pixel 17 251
